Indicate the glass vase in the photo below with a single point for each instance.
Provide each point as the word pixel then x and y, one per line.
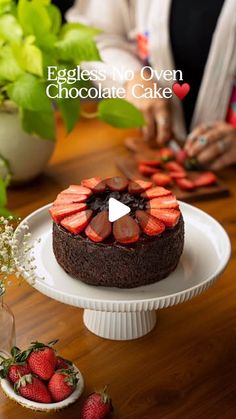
pixel 7 329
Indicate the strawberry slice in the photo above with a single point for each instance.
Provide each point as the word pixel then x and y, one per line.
pixel 181 156
pixel 185 184
pixel 206 179
pixel 173 166
pixel 155 162
pixel 61 211
pixel 166 154
pixel 94 183
pixel 99 228
pixel 161 179
pixel 117 183
pixel 149 224
pixel 155 192
pixel 146 170
pixel 78 189
pixel 177 175
pixel 77 222
pixel 169 217
pixel 65 199
pixel 126 230
pixel 138 186
pixel 168 201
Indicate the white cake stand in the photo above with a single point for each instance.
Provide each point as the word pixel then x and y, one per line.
pixel 123 314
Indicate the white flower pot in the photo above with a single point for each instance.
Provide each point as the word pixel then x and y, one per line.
pixel 27 154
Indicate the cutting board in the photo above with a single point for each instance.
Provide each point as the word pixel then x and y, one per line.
pixel 129 167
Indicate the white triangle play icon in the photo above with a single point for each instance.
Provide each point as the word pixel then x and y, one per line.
pixel 117 210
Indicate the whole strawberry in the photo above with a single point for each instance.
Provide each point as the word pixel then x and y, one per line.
pixel 13 368
pixel 32 388
pixel 41 359
pixel 16 371
pixel 97 406
pixel 62 384
pixel 62 363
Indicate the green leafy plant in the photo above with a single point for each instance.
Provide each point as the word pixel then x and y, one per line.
pixel 32 37
pixel 4 182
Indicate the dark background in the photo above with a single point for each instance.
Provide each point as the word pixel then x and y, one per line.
pixel 64 5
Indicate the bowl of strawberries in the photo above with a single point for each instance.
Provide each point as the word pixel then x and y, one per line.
pixel 38 378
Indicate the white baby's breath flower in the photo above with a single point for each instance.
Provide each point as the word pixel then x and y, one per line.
pixel 15 253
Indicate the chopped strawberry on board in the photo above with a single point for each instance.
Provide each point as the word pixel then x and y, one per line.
pixel 166 154
pixel 78 189
pixel 146 170
pixel 65 199
pixel 117 183
pixel 168 201
pixel 181 156
pixel 99 228
pixel 62 384
pixel 32 388
pixel 149 224
pixel 77 222
pixel 205 179
pixel 138 186
pixel 155 192
pixel 185 184
pixel 95 183
pixel 161 179
pixel 155 162
pixel 97 406
pixel 59 212
pixel 126 230
pixel 177 175
pixel 169 217
pixel 173 166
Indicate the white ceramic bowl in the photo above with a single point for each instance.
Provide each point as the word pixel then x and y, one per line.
pixel 7 388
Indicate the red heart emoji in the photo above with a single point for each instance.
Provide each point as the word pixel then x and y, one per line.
pixel 181 90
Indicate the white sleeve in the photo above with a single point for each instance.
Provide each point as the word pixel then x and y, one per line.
pixel 115 18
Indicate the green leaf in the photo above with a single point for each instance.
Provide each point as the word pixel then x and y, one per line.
pixel 5 6
pixel 41 124
pixel 33 18
pixel 88 30
pixel 3 193
pixel 10 30
pixel 55 17
pixel 9 67
pixel 120 113
pixel 70 110
pixel 29 56
pixel 77 46
pixel 29 93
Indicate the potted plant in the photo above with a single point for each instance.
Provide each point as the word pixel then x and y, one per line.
pixel 32 37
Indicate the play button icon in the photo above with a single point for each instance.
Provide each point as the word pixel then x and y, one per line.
pixel 117 210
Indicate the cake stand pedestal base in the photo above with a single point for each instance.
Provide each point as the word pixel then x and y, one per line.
pixel 119 325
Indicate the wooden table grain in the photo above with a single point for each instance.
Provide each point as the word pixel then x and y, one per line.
pixel 186 367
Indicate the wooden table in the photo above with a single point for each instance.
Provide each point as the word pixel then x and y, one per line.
pixel 186 367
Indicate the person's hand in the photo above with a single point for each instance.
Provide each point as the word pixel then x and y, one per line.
pixel 213 144
pixel 156 112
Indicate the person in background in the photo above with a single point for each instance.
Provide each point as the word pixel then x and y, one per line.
pixel 195 36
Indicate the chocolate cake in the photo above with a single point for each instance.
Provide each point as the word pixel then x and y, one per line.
pixel 137 249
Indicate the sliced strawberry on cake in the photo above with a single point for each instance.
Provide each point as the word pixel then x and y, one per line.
pixel 138 186
pixel 155 192
pixel 61 211
pixel 99 228
pixel 149 224
pixel 77 222
pixel 168 201
pixel 117 183
pixel 126 230
pixel 96 184
pixel 169 217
